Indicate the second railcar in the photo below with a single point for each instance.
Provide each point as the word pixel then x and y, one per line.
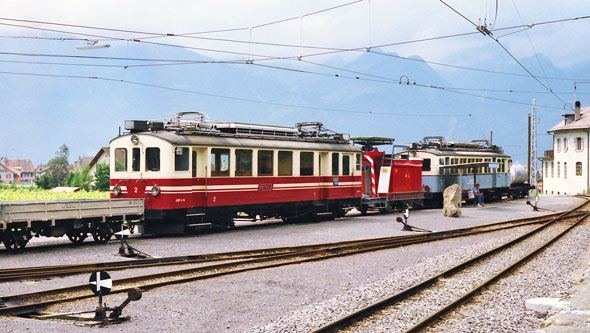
pixel 193 171
pixel 445 163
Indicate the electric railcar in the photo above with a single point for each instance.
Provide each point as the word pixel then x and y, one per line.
pixel 445 163
pixel 192 171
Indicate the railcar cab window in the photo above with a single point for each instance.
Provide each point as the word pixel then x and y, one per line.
pixel 243 162
pixel 346 165
pixel 136 153
pixel 181 157
pixel 121 159
pixel 265 162
pixel 426 164
pixel 152 159
pixel 306 163
pixel 335 164
pixel 219 162
pixel 285 163
pixel 358 162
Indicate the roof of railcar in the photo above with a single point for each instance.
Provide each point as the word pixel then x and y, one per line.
pixel 215 139
pixel 473 152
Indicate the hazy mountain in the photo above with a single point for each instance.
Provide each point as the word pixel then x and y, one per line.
pixel 41 113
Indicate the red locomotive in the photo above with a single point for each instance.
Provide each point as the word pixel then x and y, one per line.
pixel 193 171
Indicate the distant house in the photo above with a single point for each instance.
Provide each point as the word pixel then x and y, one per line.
pixel 81 163
pixel 102 156
pixel 17 170
pixel 40 170
pixel 565 167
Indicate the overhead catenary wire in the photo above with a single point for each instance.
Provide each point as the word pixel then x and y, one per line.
pixel 488 33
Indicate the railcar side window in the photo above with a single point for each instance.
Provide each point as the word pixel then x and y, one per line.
pixel 152 159
pixel 426 164
pixel 335 164
pixel 306 164
pixel 243 162
pixel 219 162
pixel 181 156
pixel 265 162
pixel 345 165
pixel 135 159
pixel 121 159
pixel 358 162
pixel 285 163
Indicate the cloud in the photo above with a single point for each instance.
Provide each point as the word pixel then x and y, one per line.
pixel 358 25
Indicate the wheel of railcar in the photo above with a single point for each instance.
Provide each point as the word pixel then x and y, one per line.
pixel 77 237
pixel 102 236
pixel 364 210
pixel 9 241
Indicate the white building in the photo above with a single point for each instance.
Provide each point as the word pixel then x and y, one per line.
pixel 565 168
pixel 101 157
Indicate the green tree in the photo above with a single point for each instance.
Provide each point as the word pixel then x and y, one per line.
pixel 80 179
pixel 59 167
pixel 102 177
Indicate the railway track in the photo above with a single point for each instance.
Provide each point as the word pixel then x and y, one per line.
pixel 235 262
pixel 42 272
pixel 430 291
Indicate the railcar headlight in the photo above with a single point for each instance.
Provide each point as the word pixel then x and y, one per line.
pixel 155 190
pixel 134 139
pixel 116 190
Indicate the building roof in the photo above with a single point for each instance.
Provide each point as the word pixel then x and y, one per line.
pixel 21 164
pixel 106 150
pixel 12 170
pixel 582 123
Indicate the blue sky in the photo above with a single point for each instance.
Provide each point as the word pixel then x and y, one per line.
pixel 46 103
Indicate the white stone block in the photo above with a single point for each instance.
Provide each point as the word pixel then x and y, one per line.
pixel 543 304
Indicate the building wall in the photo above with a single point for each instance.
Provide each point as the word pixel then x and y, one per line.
pixel 104 158
pixel 563 180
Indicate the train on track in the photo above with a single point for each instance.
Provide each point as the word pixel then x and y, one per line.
pixel 189 172
pixel 445 163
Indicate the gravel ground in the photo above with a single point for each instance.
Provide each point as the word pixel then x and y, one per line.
pixel 251 301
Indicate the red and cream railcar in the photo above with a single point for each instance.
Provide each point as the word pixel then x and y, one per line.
pixel 192 172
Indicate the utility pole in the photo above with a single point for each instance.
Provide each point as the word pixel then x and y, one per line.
pixel 528 153
pixel 533 147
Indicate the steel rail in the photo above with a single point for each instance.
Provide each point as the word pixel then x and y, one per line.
pixel 390 300
pixel 60 270
pixel 465 297
pixel 16 305
pixel 285 259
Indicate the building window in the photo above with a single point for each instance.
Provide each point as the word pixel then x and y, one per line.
pixel 565 144
pixel 306 164
pixel 558 168
pixel 552 174
pixel 181 156
pixel 265 162
pixel 564 170
pixel 558 145
pixel 546 170
pixel 243 162
pixel 285 163
pixel 152 159
pixel 579 144
pixel 578 168
pixel 335 164
pixel 121 159
pixel 219 162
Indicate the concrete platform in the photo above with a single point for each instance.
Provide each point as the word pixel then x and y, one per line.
pixel 573 312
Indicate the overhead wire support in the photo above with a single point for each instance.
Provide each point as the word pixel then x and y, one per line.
pixel 488 33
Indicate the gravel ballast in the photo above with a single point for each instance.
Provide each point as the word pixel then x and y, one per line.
pixel 258 301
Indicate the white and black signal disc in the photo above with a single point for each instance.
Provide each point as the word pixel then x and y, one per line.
pixel 100 283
